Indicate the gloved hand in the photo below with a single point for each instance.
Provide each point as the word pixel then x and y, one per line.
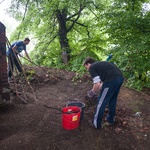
pixel 91 98
pixel 90 94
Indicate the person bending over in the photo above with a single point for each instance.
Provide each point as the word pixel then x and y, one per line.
pixel 107 80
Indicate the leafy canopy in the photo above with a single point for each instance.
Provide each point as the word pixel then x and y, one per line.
pixel 93 28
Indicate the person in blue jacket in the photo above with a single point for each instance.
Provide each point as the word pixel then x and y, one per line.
pixel 14 50
pixel 107 81
pixel 109 57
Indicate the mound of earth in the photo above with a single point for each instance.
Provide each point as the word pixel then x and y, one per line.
pixel 26 124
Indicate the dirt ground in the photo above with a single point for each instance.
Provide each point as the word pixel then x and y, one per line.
pixel 32 126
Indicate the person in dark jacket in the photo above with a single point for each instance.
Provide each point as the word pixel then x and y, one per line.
pixel 107 80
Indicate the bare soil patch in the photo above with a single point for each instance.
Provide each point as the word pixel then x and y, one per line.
pixel 32 126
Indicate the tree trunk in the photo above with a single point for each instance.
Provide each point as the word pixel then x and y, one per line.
pixel 61 17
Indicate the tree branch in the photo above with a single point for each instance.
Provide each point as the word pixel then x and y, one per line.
pixel 79 23
pixel 88 33
pixel 52 39
pixel 78 15
pixel 26 8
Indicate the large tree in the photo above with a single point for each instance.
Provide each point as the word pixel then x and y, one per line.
pixel 53 20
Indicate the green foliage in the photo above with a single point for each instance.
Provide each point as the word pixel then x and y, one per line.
pixel 128 31
pixel 76 63
pixel 119 27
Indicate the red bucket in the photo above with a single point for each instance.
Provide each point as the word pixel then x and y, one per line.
pixel 71 117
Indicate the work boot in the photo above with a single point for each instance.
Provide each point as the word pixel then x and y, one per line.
pixel 107 123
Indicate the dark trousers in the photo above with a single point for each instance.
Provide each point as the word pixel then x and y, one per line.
pixel 108 96
pixel 13 60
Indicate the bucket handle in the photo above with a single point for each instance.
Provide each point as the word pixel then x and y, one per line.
pixel 71 112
